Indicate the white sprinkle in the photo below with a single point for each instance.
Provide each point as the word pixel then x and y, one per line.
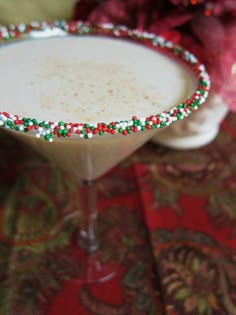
pixel 107 25
pixel 34 24
pixel 149 35
pixel 21 27
pixel 116 32
pixel 3 29
pixel 169 44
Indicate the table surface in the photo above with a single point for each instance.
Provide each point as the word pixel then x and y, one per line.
pixel 169 214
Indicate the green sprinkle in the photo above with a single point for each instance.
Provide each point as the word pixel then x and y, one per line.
pixel 178 50
pixel 155 41
pixel 64 132
pixel 202 82
pixel 179 116
pixel 47 137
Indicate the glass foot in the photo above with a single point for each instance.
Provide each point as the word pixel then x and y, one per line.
pixel 94 271
pixel 93 268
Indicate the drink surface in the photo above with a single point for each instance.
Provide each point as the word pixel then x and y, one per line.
pixel 89 79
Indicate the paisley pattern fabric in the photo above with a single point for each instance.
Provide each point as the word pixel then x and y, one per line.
pixel 169 215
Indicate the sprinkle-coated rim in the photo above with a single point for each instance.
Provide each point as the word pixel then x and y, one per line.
pixel 48 130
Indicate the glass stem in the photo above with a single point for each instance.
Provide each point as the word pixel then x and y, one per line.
pixel 87 195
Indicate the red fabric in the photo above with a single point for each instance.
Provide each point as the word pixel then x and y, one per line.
pixel 170 214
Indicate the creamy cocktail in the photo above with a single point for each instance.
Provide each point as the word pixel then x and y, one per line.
pixel 90 79
pixel 87 102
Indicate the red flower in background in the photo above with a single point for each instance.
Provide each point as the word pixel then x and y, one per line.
pixel 207 28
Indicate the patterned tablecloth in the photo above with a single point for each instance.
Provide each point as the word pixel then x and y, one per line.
pixel 178 238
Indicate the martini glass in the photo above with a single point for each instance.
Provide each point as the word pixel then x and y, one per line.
pixel 89 150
